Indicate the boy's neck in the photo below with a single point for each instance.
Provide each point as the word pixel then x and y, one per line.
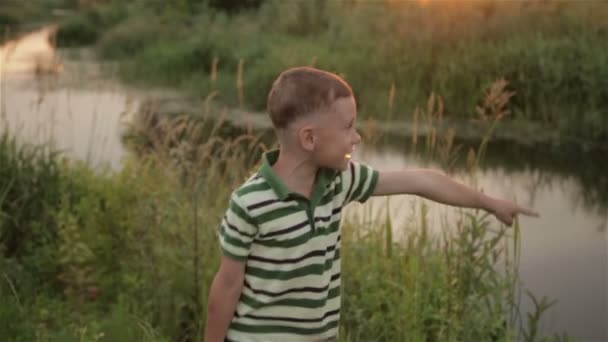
pixel 296 171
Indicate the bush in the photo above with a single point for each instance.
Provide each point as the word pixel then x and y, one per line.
pixel 85 27
pixel 14 322
pixel 131 37
pixel 76 31
pixel 7 20
pixel 30 188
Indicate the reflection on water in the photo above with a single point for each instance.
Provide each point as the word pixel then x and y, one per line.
pixel 553 165
pixel 84 123
pixel 77 111
pixel 564 253
pixel 549 165
pixel 34 52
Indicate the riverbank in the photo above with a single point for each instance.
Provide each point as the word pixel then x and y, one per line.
pixel 393 54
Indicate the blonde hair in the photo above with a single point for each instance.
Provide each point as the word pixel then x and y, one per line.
pixel 300 91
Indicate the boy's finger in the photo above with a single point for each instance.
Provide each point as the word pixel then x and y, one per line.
pixel 528 212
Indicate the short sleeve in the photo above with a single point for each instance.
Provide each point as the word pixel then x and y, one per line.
pixel 237 231
pixel 359 182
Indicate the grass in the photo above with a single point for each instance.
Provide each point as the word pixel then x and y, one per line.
pixel 130 255
pixel 436 288
pixel 114 246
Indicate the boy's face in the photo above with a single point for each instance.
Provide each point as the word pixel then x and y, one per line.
pixel 335 135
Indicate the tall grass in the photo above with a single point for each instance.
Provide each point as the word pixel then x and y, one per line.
pixel 138 247
pixel 130 255
pixel 430 288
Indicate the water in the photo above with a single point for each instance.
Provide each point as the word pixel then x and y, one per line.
pixel 563 253
pixel 71 105
pixel 83 123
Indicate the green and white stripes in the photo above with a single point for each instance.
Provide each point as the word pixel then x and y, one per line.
pixel 291 245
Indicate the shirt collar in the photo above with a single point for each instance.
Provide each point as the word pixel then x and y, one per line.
pixel 280 188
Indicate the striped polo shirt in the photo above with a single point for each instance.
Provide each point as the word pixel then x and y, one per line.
pixel 291 246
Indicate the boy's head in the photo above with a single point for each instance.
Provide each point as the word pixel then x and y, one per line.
pixel 314 113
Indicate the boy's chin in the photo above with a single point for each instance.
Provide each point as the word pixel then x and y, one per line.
pixel 344 165
pixel 338 166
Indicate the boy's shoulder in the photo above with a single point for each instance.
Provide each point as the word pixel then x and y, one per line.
pixel 256 189
pixel 253 192
pixel 255 182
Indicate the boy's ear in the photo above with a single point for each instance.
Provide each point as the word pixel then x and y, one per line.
pixel 306 138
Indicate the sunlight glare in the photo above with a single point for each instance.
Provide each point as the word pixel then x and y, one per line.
pixel 34 52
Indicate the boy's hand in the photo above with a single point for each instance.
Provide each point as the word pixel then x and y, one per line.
pixel 505 211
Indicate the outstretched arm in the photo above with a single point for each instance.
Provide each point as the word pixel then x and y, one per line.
pixel 440 188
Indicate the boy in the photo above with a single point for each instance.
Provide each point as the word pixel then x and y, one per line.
pixel 279 278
